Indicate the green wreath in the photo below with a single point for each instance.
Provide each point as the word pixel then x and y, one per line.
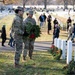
pixel 32 29
pixel 55 52
pixel 70 69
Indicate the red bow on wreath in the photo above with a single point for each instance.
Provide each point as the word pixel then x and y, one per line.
pixel 32 36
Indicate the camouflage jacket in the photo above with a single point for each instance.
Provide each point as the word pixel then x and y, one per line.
pixel 29 20
pixel 17 25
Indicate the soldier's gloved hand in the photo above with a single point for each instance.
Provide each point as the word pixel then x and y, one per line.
pixel 25 34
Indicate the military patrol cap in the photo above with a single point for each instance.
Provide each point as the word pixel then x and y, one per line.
pixel 20 8
pixel 30 12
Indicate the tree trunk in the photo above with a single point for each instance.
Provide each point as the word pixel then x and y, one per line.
pixel 23 4
pixel 73 5
pixel 45 4
pixel 65 4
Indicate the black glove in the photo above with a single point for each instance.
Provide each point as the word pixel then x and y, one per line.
pixel 25 34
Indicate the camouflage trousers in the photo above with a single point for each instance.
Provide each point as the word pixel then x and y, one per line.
pixel 28 45
pixel 18 48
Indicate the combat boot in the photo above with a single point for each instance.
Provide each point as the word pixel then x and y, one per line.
pixel 30 57
pixel 18 66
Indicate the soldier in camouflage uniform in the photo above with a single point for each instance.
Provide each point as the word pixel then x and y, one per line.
pixel 29 44
pixel 17 29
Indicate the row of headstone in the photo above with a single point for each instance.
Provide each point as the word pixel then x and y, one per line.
pixel 61 44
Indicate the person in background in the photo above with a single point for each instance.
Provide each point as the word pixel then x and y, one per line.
pixel 55 22
pixel 3 35
pixel 11 40
pixel 56 32
pixel 69 32
pixel 69 21
pixel 44 18
pixel 73 33
pixel 49 23
pixel 41 19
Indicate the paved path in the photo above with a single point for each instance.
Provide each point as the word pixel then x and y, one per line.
pixel 40 46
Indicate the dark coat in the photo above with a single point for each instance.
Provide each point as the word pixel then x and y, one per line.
pixel 55 22
pixel 49 23
pixel 69 21
pixel 73 31
pixel 44 17
pixel 56 32
pixel 3 34
pixel 41 18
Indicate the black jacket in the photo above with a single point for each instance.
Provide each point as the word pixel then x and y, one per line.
pixel 3 34
pixel 56 32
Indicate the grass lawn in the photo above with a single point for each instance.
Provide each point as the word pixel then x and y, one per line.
pixel 42 64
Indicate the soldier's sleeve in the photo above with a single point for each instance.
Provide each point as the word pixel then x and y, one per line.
pixel 19 27
pixel 34 21
pixel 24 24
pixel 20 31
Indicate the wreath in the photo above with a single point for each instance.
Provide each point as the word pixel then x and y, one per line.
pixel 70 69
pixel 55 52
pixel 33 31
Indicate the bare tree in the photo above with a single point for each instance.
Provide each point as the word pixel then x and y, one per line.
pixel 2 1
pixel 6 1
pixel 65 4
pixel 24 3
pixel 45 4
pixel 73 4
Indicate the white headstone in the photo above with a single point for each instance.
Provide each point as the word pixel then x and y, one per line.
pixel 59 43
pixel 63 48
pixel 74 54
pixel 55 42
pixel 69 51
